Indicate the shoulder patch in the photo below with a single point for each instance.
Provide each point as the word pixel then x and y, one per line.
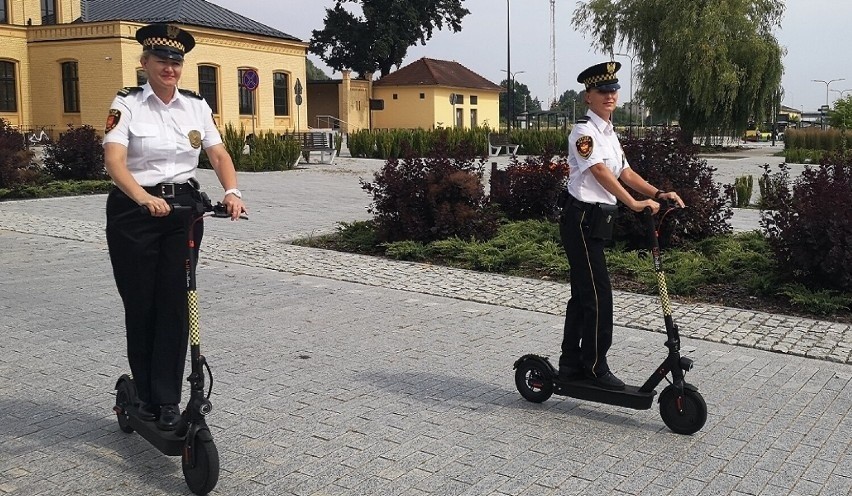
pixel 190 94
pixel 127 90
pixel 585 144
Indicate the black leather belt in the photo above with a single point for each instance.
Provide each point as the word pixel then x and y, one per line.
pixel 170 190
pixel 579 204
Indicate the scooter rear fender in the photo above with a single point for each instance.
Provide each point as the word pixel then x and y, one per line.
pixel 540 359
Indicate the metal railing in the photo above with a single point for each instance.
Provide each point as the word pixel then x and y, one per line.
pixel 331 122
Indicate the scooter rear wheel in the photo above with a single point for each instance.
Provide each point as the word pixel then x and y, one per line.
pixel 683 414
pixel 533 381
pixel 123 400
pixel 202 477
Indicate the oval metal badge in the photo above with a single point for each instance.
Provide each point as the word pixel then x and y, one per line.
pixel 194 138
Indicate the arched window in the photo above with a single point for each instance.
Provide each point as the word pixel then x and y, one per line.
pixel 208 86
pixel 8 87
pixel 70 87
pixel 281 91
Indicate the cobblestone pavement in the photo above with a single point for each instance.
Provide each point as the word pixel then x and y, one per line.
pixel 338 374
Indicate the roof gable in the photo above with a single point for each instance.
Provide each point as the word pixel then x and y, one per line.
pixel 432 72
pixel 189 12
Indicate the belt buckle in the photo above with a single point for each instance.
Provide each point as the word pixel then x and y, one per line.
pixel 167 190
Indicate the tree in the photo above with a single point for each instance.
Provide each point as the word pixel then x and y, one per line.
pixel 715 64
pixel 379 39
pixel 841 117
pixel 521 99
pixel 314 73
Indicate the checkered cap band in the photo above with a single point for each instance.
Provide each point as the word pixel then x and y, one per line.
pixel 594 80
pixel 159 42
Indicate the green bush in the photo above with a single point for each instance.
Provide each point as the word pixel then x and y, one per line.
pixel 78 154
pixel 273 152
pixel 235 142
pixel 743 188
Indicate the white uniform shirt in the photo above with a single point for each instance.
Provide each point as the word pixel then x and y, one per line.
pixel 593 141
pixel 160 136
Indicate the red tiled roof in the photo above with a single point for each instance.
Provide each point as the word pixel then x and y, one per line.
pixel 431 72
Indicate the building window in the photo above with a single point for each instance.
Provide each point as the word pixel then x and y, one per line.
pixel 141 77
pixel 208 86
pixel 473 118
pixel 281 93
pixel 474 99
pixel 4 17
pixel 395 96
pixel 246 96
pixel 459 99
pixel 8 91
pixel 70 88
pixel 459 118
pixel 48 11
pixel 422 96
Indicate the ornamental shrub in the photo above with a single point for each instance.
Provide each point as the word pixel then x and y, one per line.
pixel 810 227
pixel 77 155
pixel 16 165
pixel 671 165
pixel 530 188
pixel 427 199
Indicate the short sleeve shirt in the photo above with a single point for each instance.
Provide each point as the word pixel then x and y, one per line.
pixel 163 140
pixel 593 141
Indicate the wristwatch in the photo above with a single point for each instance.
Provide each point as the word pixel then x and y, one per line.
pixel 235 192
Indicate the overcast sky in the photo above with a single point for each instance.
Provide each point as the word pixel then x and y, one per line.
pixel 815 33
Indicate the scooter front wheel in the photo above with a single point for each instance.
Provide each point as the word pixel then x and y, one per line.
pixel 683 413
pixel 201 468
pixel 533 381
pixel 123 399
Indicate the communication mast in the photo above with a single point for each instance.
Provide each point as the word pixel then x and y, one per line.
pixel 554 98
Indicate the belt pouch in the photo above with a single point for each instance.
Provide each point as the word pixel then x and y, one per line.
pixel 602 221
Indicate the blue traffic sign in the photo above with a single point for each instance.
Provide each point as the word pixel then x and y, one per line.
pixel 250 79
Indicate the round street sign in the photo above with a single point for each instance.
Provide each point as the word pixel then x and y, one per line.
pixel 298 99
pixel 251 80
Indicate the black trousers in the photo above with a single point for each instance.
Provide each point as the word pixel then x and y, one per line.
pixel 148 256
pixel 588 316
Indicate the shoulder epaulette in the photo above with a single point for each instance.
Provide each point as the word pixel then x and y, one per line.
pixel 582 120
pixel 191 94
pixel 128 90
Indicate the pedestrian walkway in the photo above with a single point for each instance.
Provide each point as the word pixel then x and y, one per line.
pixel 338 374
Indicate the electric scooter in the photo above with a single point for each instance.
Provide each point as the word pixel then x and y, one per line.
pixel 192 440
pixel 681 405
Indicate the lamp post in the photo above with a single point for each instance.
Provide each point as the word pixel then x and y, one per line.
pixel 508 71
pixel 827 83
pixel 630 124
pixel 510 96
pixel 841 92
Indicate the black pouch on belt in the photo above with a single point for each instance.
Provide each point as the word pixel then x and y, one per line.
pixel 603 220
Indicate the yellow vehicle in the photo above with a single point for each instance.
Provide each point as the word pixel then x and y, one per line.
pixel 753 133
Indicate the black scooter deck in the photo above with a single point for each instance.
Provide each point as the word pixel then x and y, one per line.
pixel 584 389
pixel 168 442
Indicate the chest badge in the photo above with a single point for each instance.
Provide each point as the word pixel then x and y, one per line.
pixel 584 146
pixel 194 138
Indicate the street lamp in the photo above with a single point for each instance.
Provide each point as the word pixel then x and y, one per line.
pixel 841 92
pixel 510 96
pixel 827 83
pixel 630 124
pixel 508 71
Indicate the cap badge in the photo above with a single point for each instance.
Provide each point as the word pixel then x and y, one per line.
pixel 172 31
pixel 610 67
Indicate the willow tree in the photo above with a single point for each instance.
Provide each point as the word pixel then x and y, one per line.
pixel 714 63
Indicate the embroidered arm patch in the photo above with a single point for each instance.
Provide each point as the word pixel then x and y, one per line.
pixel 112 120
pixel 584 146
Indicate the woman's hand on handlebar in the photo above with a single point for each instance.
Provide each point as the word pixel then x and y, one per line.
pixel 234 206
pixel 641 205
pixel 672 196
pixel 156 206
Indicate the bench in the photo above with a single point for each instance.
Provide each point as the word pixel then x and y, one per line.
pixel 496 141
pixel 316 141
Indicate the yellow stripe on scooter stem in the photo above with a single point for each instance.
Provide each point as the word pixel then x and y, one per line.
pixel 194 333
pixel 664 293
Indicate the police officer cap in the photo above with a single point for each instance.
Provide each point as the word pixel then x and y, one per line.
pixel 165 41
pixel 601 76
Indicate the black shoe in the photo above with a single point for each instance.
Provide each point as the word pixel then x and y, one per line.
pixel 606 381
pixel 146 412
pixel 567 374
pixel 169 418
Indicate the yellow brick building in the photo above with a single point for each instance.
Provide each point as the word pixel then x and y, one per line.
pixel 62 61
